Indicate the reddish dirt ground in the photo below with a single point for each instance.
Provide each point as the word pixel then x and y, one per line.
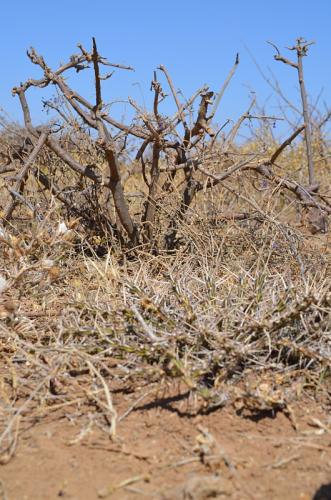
pixel 161 452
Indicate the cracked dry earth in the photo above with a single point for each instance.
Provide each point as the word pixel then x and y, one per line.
pixel 161 452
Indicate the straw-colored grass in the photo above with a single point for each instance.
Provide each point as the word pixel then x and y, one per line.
pixel 239 313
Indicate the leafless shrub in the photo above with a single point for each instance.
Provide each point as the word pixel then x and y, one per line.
pixel 177 154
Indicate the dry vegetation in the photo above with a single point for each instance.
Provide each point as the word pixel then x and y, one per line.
pixel 195 262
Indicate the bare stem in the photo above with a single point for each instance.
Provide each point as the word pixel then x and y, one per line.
pixel 301 49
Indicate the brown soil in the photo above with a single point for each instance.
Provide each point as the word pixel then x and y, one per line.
pixel 162 452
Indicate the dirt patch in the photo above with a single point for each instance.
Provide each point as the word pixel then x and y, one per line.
pixel 159 453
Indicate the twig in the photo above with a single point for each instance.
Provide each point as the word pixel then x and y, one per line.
pixel 135 404
pixel 110 407
pixel 175 96
pixel 147 329
pixel 286 143
pixel 227 173
pixel 22 176
pixel 224 86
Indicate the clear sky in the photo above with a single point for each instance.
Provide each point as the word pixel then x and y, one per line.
pixel 196 40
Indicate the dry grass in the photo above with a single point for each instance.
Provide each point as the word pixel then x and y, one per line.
pixel 239 313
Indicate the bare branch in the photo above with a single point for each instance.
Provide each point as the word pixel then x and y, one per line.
pixel 95 59
pixel 22 176
pixel 223 88
pixel 285 61
pixel 301 49
pixel 286 143
pixel 227 173
pixel 233 132
pixel 175 96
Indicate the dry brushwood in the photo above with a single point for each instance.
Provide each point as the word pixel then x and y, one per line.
pixel 167 147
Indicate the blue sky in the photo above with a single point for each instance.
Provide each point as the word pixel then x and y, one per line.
pixel 197 41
